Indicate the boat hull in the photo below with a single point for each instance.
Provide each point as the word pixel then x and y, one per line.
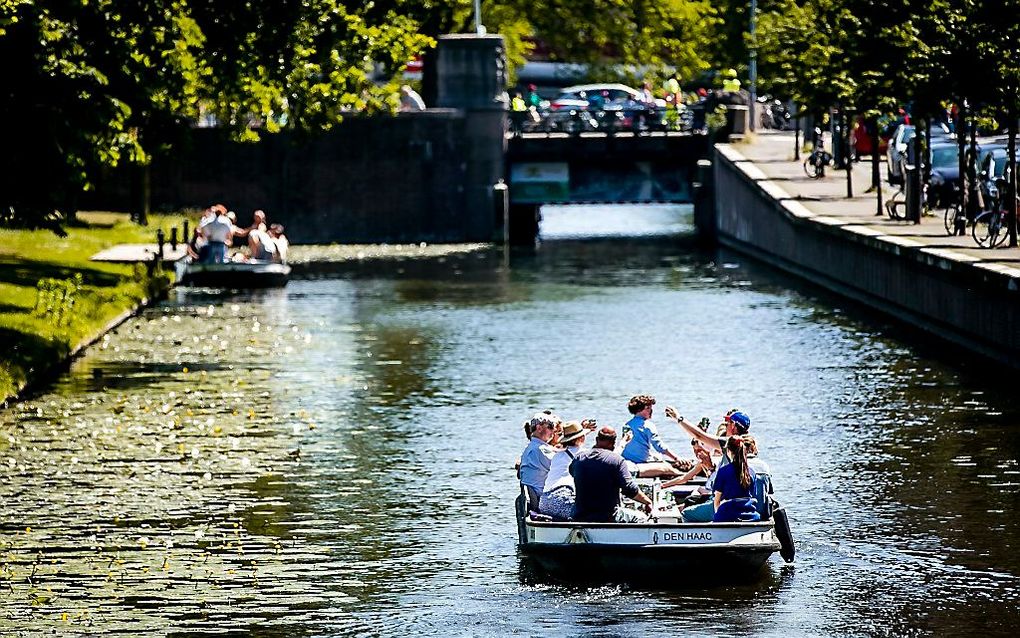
pixel 236 275
pixel 649 564
pixel 659 551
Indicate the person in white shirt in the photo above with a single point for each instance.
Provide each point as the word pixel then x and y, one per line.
pixel 282 244
pixel 410 100
pixel 558 493
pixel 261 245
pixel 218 232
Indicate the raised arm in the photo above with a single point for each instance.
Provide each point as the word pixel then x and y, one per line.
pixel 692 430
pixel 680 480
pixel 659 446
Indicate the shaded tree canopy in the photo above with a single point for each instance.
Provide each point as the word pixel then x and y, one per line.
pixel 96 83
pixel 92 83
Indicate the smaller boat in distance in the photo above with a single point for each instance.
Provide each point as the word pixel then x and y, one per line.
pixel 235 275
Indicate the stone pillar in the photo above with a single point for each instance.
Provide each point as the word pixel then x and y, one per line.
pixel 471 72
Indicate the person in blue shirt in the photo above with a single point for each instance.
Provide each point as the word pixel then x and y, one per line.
pixel 537 457
pixel 732 490
pixel 737 424
pixel 645 446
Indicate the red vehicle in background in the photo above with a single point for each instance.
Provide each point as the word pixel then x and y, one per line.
pixel 861 139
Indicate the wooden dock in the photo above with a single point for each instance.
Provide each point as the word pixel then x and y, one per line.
pixel 133 253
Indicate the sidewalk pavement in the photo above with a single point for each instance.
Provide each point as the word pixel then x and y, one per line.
pixel 772 153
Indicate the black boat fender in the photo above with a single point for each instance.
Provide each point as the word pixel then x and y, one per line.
pixel 786 547
pixel 522 533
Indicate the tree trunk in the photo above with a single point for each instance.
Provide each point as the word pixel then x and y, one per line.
pixel 926 158
pixel 876 158
pixel 1011 185
pixel 876 169
pixel 796 134
pixel 966 182
pixel 848 156
pixel 140 194
pixel 429 77
pixel 972 158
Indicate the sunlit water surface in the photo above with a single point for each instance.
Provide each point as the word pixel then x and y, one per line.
pixel 335 458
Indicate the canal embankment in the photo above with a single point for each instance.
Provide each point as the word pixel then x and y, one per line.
pixel 767 207
pixel 55 301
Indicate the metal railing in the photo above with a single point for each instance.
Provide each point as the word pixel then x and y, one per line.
pixel 623 120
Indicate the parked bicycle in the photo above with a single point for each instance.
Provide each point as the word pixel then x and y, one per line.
pixel 772 113
pixel 818 159
pixel 953 218
pixel 991 228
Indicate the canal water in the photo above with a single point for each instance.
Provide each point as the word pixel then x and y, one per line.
pixel 336 458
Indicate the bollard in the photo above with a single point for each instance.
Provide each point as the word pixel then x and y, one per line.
pixel 160 240
pixel 796 139
pixel 173 238
pixel 186 236
pixel 912 192
pixel 704 202
pixel 501 212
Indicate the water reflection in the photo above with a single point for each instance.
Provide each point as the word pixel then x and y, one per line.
pixel 335 458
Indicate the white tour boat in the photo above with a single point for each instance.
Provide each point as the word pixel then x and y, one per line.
pixel 651 550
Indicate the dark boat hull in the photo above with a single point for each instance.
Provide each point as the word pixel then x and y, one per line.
pixel 647 563
pixel 650 552
pixel 236 276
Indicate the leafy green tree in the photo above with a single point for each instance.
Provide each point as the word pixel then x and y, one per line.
pixel 99 83
pixel 81 79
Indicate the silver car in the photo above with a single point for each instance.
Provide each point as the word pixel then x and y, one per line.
pixel 896 154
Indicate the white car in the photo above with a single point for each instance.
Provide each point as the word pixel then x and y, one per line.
pixel 898 149
pixel 896 154
pixel 614 95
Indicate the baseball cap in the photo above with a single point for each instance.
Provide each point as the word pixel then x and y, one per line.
pixel 741 420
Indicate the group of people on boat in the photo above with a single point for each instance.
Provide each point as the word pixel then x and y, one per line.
pixel 565 482
pixel 217 232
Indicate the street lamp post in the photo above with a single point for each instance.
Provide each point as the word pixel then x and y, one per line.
pixel 752 70
pixel 479 27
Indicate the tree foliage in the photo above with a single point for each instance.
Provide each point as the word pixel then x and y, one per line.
pixel 92 83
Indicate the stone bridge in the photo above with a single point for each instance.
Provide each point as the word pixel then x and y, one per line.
pixel 597 167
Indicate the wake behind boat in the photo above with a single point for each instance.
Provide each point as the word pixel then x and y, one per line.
pixel 237 275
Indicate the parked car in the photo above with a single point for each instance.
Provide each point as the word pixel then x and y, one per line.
pixel 944 181
pixel 991 170
pixel 899 143
pixel 587 107
pixel 611 96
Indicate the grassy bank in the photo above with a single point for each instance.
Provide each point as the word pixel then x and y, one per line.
pixel 52 298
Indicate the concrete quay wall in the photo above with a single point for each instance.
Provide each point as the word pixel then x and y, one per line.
pixel 971 303
pixel 371 179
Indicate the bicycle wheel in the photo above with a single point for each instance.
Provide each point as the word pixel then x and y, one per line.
pixel 988 230
pixel 998 232
pixel 811 166
pixel 949 218
pixel 896 208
